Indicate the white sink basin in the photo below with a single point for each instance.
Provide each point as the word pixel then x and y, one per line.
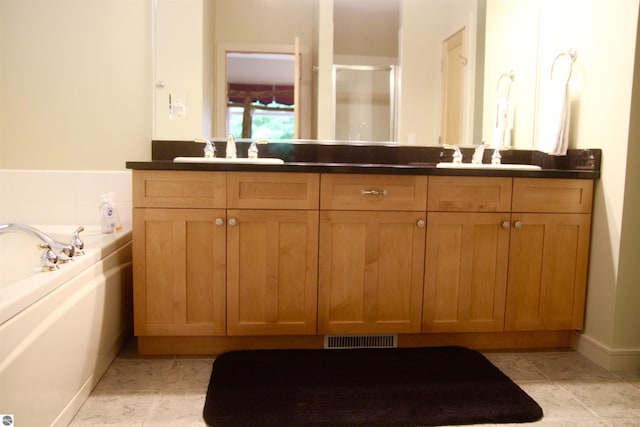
pixel 246 161
pixel 513 167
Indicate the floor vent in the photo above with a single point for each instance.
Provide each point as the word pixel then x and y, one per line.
pixel 360 341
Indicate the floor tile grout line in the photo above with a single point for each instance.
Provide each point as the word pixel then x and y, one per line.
pixel 579 401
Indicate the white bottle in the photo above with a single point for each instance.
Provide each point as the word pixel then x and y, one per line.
pixel 109 218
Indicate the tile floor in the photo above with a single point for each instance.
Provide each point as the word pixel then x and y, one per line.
pixel 170 391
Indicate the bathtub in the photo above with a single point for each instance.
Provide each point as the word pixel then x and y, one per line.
pixel 60 330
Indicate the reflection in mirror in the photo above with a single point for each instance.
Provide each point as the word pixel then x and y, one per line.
pixel 260 95
pixel 364 99
pixel 454 62
pixel 365 58
pixel 442 62
pixel 411 39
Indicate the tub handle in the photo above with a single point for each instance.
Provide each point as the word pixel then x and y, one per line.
pixel 77 242
pixel 48 259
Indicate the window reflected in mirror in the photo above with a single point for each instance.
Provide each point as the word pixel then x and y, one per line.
pixel 260 95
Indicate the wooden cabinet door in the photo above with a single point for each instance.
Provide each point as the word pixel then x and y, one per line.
pixel 371 269
pixel 272 271
pixel 547 271
pixel 179 271
pixel 465 272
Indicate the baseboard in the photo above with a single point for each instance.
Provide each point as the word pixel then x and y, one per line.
pixel 210 345
pixel 612 359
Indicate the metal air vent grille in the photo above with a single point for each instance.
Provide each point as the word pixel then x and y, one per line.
pixel 360 341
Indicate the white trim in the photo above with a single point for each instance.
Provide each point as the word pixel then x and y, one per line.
pixel 609 358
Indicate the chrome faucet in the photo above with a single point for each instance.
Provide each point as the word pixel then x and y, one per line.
pixel 496 157
pixel 478 154
pixel 68 250
pixel 49 259
pixel 209 149
pixel 457 154
pixel 231 152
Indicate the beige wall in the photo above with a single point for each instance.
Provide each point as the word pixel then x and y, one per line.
pixel 628 290
pixel 517 53
pixel 74 83
pixel 424 26
pixel 604 35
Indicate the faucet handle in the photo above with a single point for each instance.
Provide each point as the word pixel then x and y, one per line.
pixel 231 152
pixel 496 157
pixel 457 155
pixel 478 153
pixel 209 149
pixel 76 242
pixel 253 151
pixel 48 259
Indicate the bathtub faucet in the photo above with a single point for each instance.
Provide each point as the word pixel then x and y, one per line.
pixel 68 250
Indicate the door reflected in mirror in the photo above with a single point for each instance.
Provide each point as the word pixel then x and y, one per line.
pixel 261 95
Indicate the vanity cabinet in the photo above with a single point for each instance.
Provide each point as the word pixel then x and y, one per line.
pixel 506 254
pixel 272 253
pixel 179 253
pixel 549 254
pixel 233 259
pixel 372 233
pixel 467 254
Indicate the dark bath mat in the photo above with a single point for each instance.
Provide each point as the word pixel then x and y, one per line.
pixel 363 387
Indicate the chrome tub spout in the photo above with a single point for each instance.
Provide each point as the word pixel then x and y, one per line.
pixel 67 249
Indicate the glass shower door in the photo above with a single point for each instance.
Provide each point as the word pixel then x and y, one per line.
pixel 364 102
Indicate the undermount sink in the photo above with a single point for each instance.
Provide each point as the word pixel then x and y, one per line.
pixel 246 161
pixel 515 167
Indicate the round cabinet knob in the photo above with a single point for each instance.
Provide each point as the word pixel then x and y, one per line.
pixel 506 225
pixel 219 221
pixel 518 225
pixel 233 221
pixel 421 223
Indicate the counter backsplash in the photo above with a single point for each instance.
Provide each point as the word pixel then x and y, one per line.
pixel 575 159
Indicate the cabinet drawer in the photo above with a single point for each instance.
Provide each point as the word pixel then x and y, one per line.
pixel 552 195
pixel 272 190
pixel 373 192
pixel 179 189
pixel 469 194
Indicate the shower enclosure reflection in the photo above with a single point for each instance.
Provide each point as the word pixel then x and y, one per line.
pixel 364 102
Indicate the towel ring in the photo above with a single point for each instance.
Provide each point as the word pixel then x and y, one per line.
pixel 510 75
pixel 572 54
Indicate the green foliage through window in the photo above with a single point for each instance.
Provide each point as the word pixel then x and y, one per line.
pixel 265 124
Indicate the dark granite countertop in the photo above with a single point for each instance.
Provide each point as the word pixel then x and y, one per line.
pixel 390 159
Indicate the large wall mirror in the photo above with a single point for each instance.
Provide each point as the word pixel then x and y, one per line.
pixel 446 58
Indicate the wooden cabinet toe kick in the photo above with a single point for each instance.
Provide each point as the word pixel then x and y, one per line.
pixel 480 341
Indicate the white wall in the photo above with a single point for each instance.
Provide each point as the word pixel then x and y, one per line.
pixel 74 83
